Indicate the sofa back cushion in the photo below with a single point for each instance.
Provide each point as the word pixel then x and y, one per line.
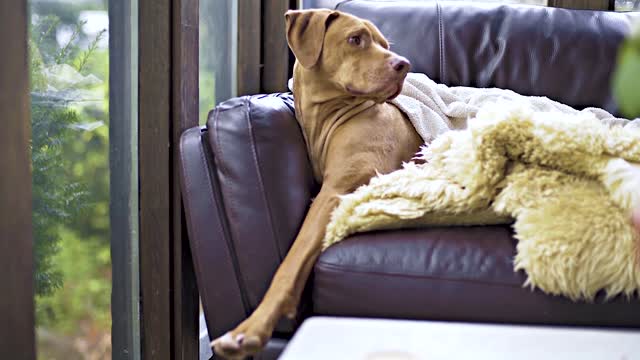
pixel 246 184
pixel 265 182
pixel 566 55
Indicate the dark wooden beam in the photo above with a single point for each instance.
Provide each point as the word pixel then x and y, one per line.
pixel 293 4
pixel 168 104
pixel 185 113
pixel 275 50
pixel 249 46
pixel 17 335
pixel 155 163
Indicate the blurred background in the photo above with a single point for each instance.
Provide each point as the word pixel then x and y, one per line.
pixel 70 146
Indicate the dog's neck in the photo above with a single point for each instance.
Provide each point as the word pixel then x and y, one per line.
pixel 321 108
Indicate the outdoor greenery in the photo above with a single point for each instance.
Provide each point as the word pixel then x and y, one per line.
pixel 626 85
pixel 69 107
pixel 206 73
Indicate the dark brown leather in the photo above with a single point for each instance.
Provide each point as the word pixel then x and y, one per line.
pixel 247 182
pixel 213 256
pixel 566 55
pixel 456 273
pixel 265 182
pixel 247 185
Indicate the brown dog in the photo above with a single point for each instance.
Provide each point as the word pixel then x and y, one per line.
pixel 343 77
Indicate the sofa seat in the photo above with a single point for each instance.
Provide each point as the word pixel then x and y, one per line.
pixel 444 273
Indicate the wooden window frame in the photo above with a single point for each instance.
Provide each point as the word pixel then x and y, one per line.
pixel 168 104
pixel 17 333
pixel 264 61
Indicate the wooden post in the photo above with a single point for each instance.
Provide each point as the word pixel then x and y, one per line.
pixel 185 112
pixel 17 334
pixel 275 71
pixel 168 91
pixel 249 46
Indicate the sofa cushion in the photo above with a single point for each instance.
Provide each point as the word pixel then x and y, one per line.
pixel 454 273
pixel 256 143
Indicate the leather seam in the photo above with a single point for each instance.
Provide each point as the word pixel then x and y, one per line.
pixel 256 161
pixel 195 230
pixel 216 126
pixel 341 3
pixel 187 200
pixel 224 228
pixel 227 234
pixel 441 43
pixel 334 267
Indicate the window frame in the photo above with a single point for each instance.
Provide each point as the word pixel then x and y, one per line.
pixel 264 62
pixel 168 105
pixel 123 165
pixel 17 333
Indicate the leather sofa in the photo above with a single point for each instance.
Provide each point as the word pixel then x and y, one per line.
pixel 247 182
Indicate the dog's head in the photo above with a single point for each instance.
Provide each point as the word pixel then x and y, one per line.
pixel 348 52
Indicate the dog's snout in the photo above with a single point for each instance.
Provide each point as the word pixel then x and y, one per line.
pixel 400 64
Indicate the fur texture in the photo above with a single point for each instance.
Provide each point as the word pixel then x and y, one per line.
pixel 567 182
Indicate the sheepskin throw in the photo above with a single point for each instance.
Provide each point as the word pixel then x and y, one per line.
pixel 567 180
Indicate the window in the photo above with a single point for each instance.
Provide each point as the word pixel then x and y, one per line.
pixel 94 114
pixel 218 44
pixel 627 5
pixel 73 176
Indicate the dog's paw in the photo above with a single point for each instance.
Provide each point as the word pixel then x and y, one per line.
pixel 246 340
pixel 236 347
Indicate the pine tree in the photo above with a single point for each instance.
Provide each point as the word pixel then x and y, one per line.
pixel 56 200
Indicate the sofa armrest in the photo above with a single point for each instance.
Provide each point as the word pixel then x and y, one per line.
pixel 247 184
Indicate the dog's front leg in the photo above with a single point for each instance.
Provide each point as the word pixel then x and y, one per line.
pixel 286 287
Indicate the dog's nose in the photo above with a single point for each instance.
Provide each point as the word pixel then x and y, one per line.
pixel 400 64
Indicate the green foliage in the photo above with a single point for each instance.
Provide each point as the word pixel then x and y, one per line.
pixel 207 86
pixel 86 55
pixel 70 173
pixel 55 200
pixel 83 303
pixel 627 74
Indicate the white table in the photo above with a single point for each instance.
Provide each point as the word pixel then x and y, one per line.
pixel 325 338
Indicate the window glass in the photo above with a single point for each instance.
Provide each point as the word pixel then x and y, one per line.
pixel 218 44
pixel 627 5
pixel 69 71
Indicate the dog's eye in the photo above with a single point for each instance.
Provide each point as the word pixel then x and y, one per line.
pixel 355 40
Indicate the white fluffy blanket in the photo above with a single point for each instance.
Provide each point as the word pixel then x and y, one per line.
pixel 567 180
pixel 436 108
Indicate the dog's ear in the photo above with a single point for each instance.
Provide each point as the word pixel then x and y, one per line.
pixel 305 33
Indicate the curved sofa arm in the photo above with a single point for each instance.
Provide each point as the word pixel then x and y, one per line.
pixel 247 184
